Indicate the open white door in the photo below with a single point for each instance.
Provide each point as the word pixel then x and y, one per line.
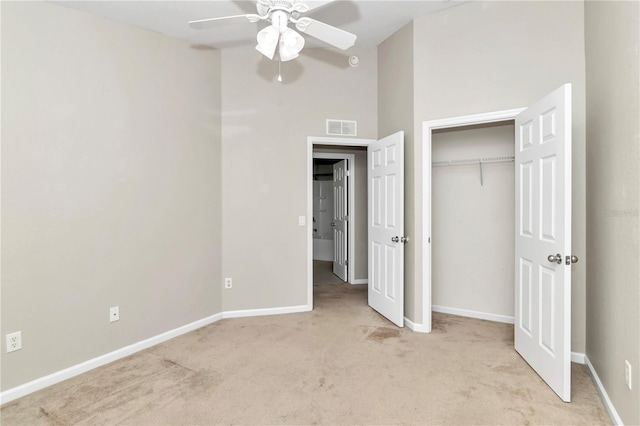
pixel 543 239
pixel 385 168
pixel 340 218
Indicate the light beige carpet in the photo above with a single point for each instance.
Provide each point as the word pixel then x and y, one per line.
pixel 340 364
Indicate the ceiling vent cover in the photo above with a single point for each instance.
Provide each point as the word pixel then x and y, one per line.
pixel 342 127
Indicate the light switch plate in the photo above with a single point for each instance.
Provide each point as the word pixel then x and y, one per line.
pixel 302 220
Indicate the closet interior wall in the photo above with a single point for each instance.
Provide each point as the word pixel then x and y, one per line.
pixel 473 221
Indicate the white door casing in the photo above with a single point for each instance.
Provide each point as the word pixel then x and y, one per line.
pixel 340 219
pixel 385 169
pixel 427 128
pixel 542 330
pixel 311 142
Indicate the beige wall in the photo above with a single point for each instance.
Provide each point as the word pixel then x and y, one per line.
pixel 473 224
pixel 613 198
pixel 110 186
pixel 361 230
pixel 264 149
pixel 395 112
pixel 488 56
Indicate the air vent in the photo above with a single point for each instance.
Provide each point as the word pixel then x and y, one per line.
pixel 342 127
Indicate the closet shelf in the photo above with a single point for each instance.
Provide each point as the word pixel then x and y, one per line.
pixel 480 161
pixel 467 161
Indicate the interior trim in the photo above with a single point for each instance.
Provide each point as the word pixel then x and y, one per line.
pixel 75 370
pixel 473 314
pixel 427 128
pixel 608 404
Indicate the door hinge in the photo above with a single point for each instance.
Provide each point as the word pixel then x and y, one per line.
pixel 347 173
pixel 346 262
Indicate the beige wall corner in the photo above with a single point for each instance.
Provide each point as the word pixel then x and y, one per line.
pixel 488 56
pixel 395 113
pixel 110 186
pixel 265 125
pixel 612 32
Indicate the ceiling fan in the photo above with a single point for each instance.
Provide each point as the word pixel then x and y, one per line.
pixel 278 35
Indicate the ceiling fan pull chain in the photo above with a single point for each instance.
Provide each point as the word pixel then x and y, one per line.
pixel 279 69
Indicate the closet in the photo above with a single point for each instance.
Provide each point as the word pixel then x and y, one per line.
pixel 473 221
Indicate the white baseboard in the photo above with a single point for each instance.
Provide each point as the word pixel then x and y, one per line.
pixel 75 370
pixel 473 314
pixel 420 328
pixel 615 417
pixel 67 373
pixel 578 357
pixel 267 311
pixel 360 281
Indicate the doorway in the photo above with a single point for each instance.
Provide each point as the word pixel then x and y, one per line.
pixel 542 279
pixel 354 151
pixel 339 213
pixel 383 220
pixel 427 158
pixel 334 211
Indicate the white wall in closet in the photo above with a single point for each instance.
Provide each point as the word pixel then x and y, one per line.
pixel 473 223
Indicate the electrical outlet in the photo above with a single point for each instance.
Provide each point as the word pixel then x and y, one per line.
pixel 114 313
pixel 228 283
pixel 14 341
pixel 627 374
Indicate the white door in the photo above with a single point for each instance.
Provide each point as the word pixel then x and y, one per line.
pixel 385 168
pixel 340 218
pixel 543 239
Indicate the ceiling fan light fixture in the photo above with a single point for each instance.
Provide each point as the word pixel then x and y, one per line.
pixel 268 41
pixel 287 55
pixel 291 43
pixel 278 35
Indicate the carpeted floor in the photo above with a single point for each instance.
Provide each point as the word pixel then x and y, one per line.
pixel 340 364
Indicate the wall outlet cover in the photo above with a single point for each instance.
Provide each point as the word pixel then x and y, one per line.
pixel 114 313
pixel 14 341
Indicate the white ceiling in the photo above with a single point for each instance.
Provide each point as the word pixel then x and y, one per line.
pixel 371 20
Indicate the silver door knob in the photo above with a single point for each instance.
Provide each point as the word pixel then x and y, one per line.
pixel 557 258
pixel 395 239
pixel 333 224
pixel 571 259
pixel 404 239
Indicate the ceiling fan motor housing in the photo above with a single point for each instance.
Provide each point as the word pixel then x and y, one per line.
pixel 264 7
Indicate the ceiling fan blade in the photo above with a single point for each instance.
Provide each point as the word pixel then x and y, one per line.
pixel 327 33
pixel 203 24
pixel 316 4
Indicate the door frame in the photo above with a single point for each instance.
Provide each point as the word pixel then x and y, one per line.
pixel 319 140
pixel 350 206
pixel 427 129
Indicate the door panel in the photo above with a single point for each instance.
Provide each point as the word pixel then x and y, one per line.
pixel 340 218
pixel 385 159
pixel 543 229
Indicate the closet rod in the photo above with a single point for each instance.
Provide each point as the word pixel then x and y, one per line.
pixel 482 160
